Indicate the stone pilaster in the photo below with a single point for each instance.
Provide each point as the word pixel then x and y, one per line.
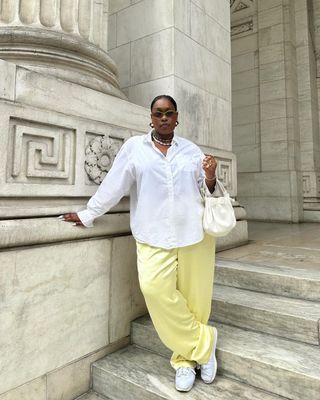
pixel 267 127
pixel 308 55
pixel 280 140
pixel 64 38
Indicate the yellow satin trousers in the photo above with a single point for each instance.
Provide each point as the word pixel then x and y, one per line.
pixel 177 286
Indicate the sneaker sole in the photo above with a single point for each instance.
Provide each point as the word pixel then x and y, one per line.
pixel 185 389
pixel 215 358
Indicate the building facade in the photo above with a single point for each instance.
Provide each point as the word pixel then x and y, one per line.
pixel 275 81
pixel 68 295
pixel 76 80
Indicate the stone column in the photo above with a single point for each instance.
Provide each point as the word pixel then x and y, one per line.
pixel 266 109
pixel 280 140
pixel 308 46
pixel 65 38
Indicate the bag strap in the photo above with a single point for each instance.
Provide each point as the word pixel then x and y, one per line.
pixel 221 187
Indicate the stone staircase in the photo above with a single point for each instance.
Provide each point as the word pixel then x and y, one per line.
pixel 268 344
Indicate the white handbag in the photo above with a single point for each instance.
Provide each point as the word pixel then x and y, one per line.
pixel 219 218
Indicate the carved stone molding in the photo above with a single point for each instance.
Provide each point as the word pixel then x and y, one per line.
pixel 41 154
pixel 306 181
pixel 100 154
pixel 242 28
pixel 311 184
pixel 224 172
pixel 239 5
pixel 64 38
pixel 242 16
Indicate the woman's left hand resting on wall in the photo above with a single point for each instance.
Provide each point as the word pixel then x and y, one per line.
pixel 71 217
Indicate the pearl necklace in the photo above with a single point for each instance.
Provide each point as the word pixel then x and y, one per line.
pixel 164 142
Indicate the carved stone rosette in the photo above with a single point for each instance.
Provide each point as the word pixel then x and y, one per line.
pixel 64 38
pixel 100 154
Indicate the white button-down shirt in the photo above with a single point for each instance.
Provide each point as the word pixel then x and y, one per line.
pixel 166 206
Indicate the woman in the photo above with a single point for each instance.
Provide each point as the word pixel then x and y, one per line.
pixel 164 175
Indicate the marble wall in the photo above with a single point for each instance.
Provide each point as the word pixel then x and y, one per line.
pixel 182 48
pixel 266 90
pixel 308 20
pixel 52 141
pixel 69 293
pixel 65 305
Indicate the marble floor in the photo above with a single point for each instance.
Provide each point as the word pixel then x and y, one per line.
pixel 294 245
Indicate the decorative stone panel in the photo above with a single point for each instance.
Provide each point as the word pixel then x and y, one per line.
pixel 225 172
pixel 43 163
pixel 242 28
pixel 41 153
pixel 311 185
pixel 306 180
pixel 243 18
pixel 100 154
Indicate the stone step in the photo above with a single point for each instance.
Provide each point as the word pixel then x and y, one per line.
pixel 300 283
pixel 92 396
pixel 134 373
pixel 281 316
pixel 281 366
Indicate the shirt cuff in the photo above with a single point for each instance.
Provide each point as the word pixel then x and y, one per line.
pixel 86 218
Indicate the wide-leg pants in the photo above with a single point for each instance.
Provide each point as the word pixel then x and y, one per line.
pixel 177 286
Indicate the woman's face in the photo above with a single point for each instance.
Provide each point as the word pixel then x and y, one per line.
pixel 164 123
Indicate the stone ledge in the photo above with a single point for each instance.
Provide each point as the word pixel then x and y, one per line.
pixel 31 231
pixel 26 232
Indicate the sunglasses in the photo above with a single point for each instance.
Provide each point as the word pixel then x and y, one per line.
pixel 160 114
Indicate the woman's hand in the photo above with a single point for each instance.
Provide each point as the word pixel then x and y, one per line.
pixel 71 217
pixel 209 165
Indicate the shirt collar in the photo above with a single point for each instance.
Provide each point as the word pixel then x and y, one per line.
pixel 175 140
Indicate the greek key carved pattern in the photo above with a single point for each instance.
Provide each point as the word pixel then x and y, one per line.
pixel 225 172
pixel 311 184
pixel 100 154
pixel 41 153
pixel 306 183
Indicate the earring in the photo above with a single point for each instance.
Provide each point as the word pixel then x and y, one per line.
pixel 151 125
pixel 177 123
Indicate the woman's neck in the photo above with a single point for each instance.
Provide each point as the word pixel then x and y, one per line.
pixel 166 136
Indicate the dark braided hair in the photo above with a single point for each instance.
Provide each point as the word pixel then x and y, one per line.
pixel 164 96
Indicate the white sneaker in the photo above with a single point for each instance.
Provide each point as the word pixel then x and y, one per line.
pixel 185 377
pixel 209 370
